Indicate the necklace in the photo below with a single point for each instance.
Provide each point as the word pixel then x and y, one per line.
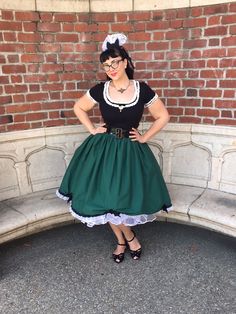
pixel 121 90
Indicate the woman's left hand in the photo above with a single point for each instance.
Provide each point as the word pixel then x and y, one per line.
pixel 136 136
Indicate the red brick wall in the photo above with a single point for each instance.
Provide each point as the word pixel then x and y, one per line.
pixel 48 60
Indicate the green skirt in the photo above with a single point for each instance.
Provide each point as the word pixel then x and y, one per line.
pixel 114 180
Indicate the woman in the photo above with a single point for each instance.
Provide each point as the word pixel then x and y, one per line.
pixel 113 176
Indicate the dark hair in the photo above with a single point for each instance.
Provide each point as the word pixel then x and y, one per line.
pixel 118 51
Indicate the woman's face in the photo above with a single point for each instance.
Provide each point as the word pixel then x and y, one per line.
pixel 115 67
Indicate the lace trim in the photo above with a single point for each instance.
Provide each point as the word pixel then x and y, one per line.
pixel 127 220
pixel 114 219
pixel 121 104
pixel 151 101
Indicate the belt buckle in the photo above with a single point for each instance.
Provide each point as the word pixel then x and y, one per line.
pixel 119 132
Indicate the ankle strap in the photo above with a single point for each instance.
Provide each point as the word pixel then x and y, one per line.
pixel 121 244
pixel 133 237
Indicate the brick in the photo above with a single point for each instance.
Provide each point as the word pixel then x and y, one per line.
pixel 231 73
pixel 35 106
pixel 13 58
pixel 189 120
pixel 29 38
pixel 67 37
pixel 158 35
pixel 208 112
pixel 9 36
pixel 229 41
pixel 123 28
pixel 228 84
pixel 49 47
pixel 194 64
pixel 214 53
pixel 7 15
pixel 37 96
pixel 176 111
pixel 207 121
pixel 45 16
pixel 232 7
pixel 49 27
pixel 198 43
pixel 36 116
pixel 53 115
pixel 193 83
pixel 214 20
pixel 158 46
pixel 189 111
pixel 189 102
pixel 207 103
pixel 197 11
pixel 52 123
pixel 122 17
pixel 103 17
pixel 211 83
pixel 34 87
pixel 152 26
pixel 215 9
pixel 7 69
pixel 215 31
pixel 10 26
pixel 65 17
pixel 27 16
pixel 229 94
pixel 210 93
pixel 6 119
pixel 12 47
pixel 214 42
pixel 15 89
pixel 228 19
pixel 67 114
pixel 31 58
pixel 17 108
pixel 224 63
pixel 225 122
pixel 212 73
pixel 86 47
pixel 36 78
pixel 177 34
pixel 18 126
pixel 29 27
pixel 196 54
pixel 69 28
pixel 226 114
pixel 5 100
pixel 19 118
pixel 52 67
pixel 54 86
pixel 18 98
pixel 2 59
pixel 140 16
pixel 4 80
pixel 232 30
pixel 197 22
pixel 31 48
pixel 53 105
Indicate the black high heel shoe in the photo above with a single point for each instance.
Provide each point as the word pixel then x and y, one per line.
pixel 118 258
pixel 137 253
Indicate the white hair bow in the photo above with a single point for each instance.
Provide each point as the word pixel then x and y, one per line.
pixel 113 39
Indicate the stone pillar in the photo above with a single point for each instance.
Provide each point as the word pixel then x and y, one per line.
pixel 23 178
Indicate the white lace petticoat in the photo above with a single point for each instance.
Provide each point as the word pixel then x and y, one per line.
pixel 124 219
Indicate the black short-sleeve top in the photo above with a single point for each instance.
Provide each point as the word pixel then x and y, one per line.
pixel 122 115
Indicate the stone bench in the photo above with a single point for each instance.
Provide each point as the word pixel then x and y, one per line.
pixel 35 212
pixel 198 162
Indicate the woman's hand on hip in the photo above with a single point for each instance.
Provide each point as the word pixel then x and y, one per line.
pixel 99 129
pixel 136 136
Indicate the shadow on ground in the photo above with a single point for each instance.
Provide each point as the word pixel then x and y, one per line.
pixel 69 270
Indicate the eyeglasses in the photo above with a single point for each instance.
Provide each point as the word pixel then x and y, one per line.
pixel 114 65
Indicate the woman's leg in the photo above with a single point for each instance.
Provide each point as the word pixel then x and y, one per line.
pixel 129 234
pixel 120 238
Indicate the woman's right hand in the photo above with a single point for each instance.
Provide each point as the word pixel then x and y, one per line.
pixel 99 129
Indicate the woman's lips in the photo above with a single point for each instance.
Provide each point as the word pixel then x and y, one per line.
pixel 113 74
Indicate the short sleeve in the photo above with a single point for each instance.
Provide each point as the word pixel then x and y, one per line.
pixel 148 95
pixel 95 93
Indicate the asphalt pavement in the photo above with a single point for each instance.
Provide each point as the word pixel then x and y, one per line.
pixel 183 269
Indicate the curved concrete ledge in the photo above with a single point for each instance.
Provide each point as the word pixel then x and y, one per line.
pixel 25 215
pixel 89 6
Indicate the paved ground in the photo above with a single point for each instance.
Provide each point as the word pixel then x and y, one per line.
pixel 69 270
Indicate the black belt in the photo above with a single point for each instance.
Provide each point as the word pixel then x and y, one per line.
pixel 118 132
